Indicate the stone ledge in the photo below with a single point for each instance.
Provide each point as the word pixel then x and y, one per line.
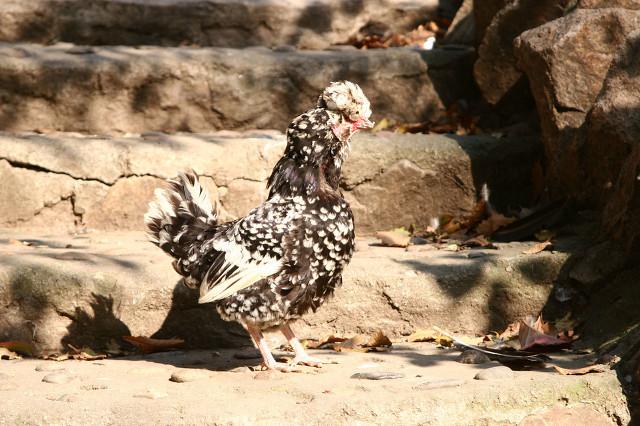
pixel 89 288
pixel 391 180
pixel 223 23
pixel 125 89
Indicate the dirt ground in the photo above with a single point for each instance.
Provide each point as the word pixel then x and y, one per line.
pixel 220 387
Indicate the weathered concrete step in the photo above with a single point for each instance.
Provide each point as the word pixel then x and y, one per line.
pixel 390 180
pixel 90 288
pixel 126 89
pixel 434 390
pixel 224 23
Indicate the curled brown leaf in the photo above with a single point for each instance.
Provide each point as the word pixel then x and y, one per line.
pixel 596 368
pixel 148 345
pixel 537 248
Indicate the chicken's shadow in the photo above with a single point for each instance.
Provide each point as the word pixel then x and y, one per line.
pixel 199 325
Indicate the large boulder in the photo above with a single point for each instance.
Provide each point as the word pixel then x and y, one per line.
pixel 124 89
pixel 223 23
pixel 612 151
pixel 567 62
pixel 496 71
pixel 483 13
pixel 69 182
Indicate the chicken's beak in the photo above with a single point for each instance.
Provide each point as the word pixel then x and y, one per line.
pixel 365 123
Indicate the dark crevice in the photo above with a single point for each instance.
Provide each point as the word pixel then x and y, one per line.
pixel 561 108
pixel 36 168
pixel 394 306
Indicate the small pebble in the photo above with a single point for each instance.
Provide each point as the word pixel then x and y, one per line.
pixel 470 356
pixel 439 384
pixel 152 394
pixel 184 376
pixel 51 366
pixel 377 376
pixel 494 373
pixel 58 377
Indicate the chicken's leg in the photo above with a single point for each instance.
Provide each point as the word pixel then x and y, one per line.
pixel 301 355
pixel 267 358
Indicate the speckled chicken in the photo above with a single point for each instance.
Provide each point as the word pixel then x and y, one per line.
pixel 287 255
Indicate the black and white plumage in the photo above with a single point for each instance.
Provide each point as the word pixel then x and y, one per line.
pixel 287 255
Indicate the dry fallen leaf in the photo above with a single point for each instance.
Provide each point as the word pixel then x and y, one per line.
pixel 56 357
pixel 22 348
pixel 430 335
pixel 398 237
pixel 512 330
pixel 478 241
pixel 7 354
pixel 537 248
pixel 450 226
pixel 494 222
pixel 377 342
pixel 85 354
pixel 416 37
pixel 534 333
pixel 596 368
pixel 148 345
pixel 383 124
pixel 322 343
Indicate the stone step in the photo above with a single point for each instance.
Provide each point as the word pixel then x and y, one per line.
pixel 126 89
pixel 224 23
pixel 89 288
pixel 431 388
pixel 86 182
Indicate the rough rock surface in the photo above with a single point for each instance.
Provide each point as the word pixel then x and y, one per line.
pixel 462 29
pixel 612 152
pixel 483 13
pixel 88 289
pixel 495 70
pixel 435 390
pixel 126 89
pixel 391 180
pixel 223 23
pixel 603 4
pixel 583 93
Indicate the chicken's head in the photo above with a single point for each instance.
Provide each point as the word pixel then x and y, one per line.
pixel 349 107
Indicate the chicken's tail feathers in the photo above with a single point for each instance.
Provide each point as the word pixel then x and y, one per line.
pixel 180 215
